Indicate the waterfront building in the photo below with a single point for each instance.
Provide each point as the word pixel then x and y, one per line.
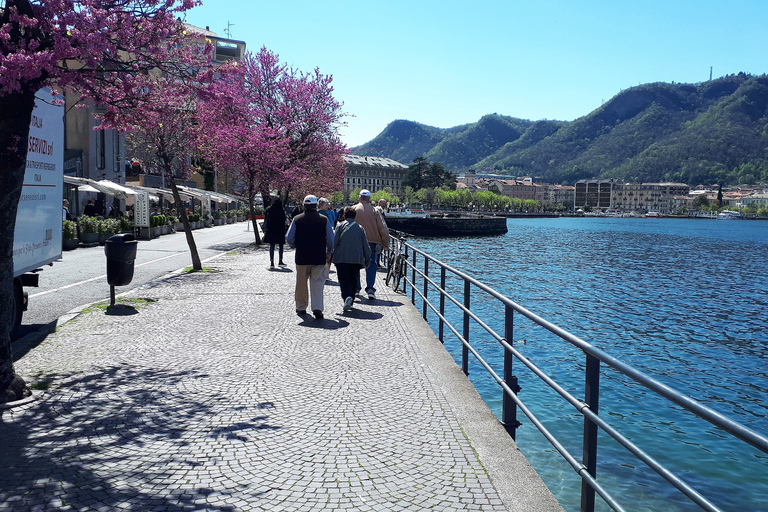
pixel 665 198
pixel 562 194
pixel 760 200
pixel 593 193
pixel 374 173
pixel 520 189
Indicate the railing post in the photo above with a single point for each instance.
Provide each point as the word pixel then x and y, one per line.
pixel 413 280
pixel 508 406
pixel 591 398
pixel 426 289
pixel 465 331
pixel 441 326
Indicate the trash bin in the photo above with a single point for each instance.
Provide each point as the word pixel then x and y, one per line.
pixel 121 253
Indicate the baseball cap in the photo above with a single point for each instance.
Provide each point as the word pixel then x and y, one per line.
pixel 310 199
pixel 365 193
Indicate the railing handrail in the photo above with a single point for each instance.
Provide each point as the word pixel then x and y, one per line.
pixel 687 403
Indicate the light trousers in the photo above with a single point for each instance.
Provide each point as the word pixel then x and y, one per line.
pixel 315 274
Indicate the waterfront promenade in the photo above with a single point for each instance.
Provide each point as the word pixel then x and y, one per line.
pixel 205 391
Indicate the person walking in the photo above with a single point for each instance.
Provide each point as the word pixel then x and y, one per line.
pixel 312 237
pixel 351 252
pixel 274 230
pixel 323 208
pixel 90 208
pixel 377 232
pixel 381 207
pixel 65 215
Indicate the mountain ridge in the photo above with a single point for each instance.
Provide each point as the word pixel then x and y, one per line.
pixel 707 133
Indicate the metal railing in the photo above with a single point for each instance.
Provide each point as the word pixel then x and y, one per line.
pixel 586 468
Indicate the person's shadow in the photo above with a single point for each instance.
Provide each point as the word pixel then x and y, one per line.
pixel 325 323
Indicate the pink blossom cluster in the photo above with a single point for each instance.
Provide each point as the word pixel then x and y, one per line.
pixel 63 42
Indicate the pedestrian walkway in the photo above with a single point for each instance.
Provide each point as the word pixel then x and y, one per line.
pixel 205 391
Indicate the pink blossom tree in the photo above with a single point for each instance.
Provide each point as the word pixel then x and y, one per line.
pixel 277 128
pixel 76 44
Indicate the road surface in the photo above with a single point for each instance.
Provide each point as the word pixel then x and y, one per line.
pixel 79 278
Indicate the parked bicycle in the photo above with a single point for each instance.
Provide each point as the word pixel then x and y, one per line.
pixel 397 262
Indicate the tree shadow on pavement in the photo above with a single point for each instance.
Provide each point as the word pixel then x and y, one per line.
pixel 122 439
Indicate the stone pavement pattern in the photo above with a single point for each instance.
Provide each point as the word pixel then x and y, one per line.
pixel 214 395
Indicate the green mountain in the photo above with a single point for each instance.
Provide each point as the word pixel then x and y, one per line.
pixel 713 132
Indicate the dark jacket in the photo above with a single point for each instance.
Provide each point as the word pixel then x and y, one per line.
pixel 311 234
pixel 274 224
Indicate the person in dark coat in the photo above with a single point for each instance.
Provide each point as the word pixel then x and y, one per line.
pixel 274 230
pixel 311 234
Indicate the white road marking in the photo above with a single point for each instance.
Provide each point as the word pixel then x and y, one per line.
pixel 139 265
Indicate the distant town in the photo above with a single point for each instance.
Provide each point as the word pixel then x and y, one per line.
pixel 607 195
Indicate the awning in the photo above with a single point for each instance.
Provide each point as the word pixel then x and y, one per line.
pixel 105 187
pixel 112 189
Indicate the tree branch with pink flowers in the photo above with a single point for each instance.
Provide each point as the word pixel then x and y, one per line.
pixel 275 127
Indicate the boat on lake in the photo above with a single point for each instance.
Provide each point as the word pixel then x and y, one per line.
pixel 408 213
pixel 653 214
pixel 728 215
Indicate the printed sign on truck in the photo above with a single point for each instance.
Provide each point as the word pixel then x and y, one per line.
pixel 37 239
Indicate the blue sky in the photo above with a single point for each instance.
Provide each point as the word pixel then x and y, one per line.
pixel 449 63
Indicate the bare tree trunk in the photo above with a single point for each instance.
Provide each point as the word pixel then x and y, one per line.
pixel 15 115
pixel 196 264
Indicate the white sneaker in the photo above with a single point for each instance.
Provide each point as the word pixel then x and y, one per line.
pixel 371 295
pixel 348 303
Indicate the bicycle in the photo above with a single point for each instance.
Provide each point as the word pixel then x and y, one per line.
pixel 398 265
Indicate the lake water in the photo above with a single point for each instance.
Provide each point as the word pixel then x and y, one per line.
pixel 684 301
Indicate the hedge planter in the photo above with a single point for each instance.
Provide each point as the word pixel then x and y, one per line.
pixel 179 226
pixel 89 238
pixel 69 245
pixel 218 222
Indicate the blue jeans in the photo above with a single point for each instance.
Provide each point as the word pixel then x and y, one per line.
pixel 370 272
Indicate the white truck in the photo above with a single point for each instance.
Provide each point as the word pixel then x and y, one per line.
pixel 38 234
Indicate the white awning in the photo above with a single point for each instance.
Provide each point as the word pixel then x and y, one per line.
pixel 105 187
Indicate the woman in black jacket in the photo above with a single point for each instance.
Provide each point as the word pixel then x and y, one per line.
pixel 274 230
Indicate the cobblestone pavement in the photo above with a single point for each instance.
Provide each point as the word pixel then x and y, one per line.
pixel 205 391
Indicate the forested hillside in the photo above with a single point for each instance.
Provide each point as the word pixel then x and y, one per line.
pixel 713 132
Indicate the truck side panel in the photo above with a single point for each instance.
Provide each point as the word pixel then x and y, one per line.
pixel 37 239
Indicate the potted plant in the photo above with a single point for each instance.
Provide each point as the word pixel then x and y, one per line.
pixel 231 216
pixel 218 218
pixel 88 227
pixel 69 239
pixel 107 228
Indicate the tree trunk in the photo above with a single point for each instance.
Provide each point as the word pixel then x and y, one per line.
pixel 15 115
pixel 185 220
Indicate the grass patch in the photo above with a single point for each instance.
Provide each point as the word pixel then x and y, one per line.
pixel 41 386
pixel 104 306
pixel 207 270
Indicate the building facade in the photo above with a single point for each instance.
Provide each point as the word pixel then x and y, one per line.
pixel 593 193
pixel 374 173
pixel 665 198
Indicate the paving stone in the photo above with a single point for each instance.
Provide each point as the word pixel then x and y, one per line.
pixel 215 395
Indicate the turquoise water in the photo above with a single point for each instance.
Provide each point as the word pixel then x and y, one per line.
pixel 684 301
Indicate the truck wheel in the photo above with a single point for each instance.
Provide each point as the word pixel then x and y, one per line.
pixel 17 308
